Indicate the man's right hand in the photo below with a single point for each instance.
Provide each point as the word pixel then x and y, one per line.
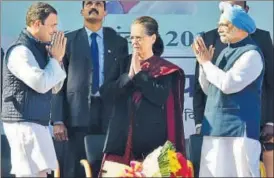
pixel 60 132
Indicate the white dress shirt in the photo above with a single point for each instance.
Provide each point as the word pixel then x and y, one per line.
pixel 22 64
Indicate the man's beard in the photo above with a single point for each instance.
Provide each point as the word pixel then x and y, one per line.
pixel 229 37
pixel 224 40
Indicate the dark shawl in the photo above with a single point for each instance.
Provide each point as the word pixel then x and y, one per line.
pixel 157 67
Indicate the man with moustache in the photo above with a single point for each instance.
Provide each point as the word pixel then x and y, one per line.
pixel 78 109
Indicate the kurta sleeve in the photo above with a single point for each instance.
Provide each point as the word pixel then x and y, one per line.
pixel 21 59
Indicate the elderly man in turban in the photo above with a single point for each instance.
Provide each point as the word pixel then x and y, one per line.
pixel 231 124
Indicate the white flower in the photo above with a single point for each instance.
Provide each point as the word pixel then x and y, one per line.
pixel 150 164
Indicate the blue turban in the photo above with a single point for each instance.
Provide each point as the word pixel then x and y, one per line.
pixel 238 17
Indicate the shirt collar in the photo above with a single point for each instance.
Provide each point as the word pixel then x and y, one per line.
pixel 99 32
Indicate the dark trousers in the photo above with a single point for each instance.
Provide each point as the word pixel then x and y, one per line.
pixel 75 152
pixel 74 149
pixel 69 153
pixel 61 150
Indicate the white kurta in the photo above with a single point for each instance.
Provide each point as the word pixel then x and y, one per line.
pixel 231 156
pixel 31 144
pixel 32 148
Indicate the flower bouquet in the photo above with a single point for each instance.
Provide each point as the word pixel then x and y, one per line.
pixel 162 162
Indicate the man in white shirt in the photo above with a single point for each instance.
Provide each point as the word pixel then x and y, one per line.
pixel 32 71
pixel 231 123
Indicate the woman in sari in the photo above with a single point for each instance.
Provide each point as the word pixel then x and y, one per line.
pixel 148 98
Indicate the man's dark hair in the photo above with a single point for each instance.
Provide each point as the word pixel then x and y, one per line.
pixel 39 11
pixel 83 4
